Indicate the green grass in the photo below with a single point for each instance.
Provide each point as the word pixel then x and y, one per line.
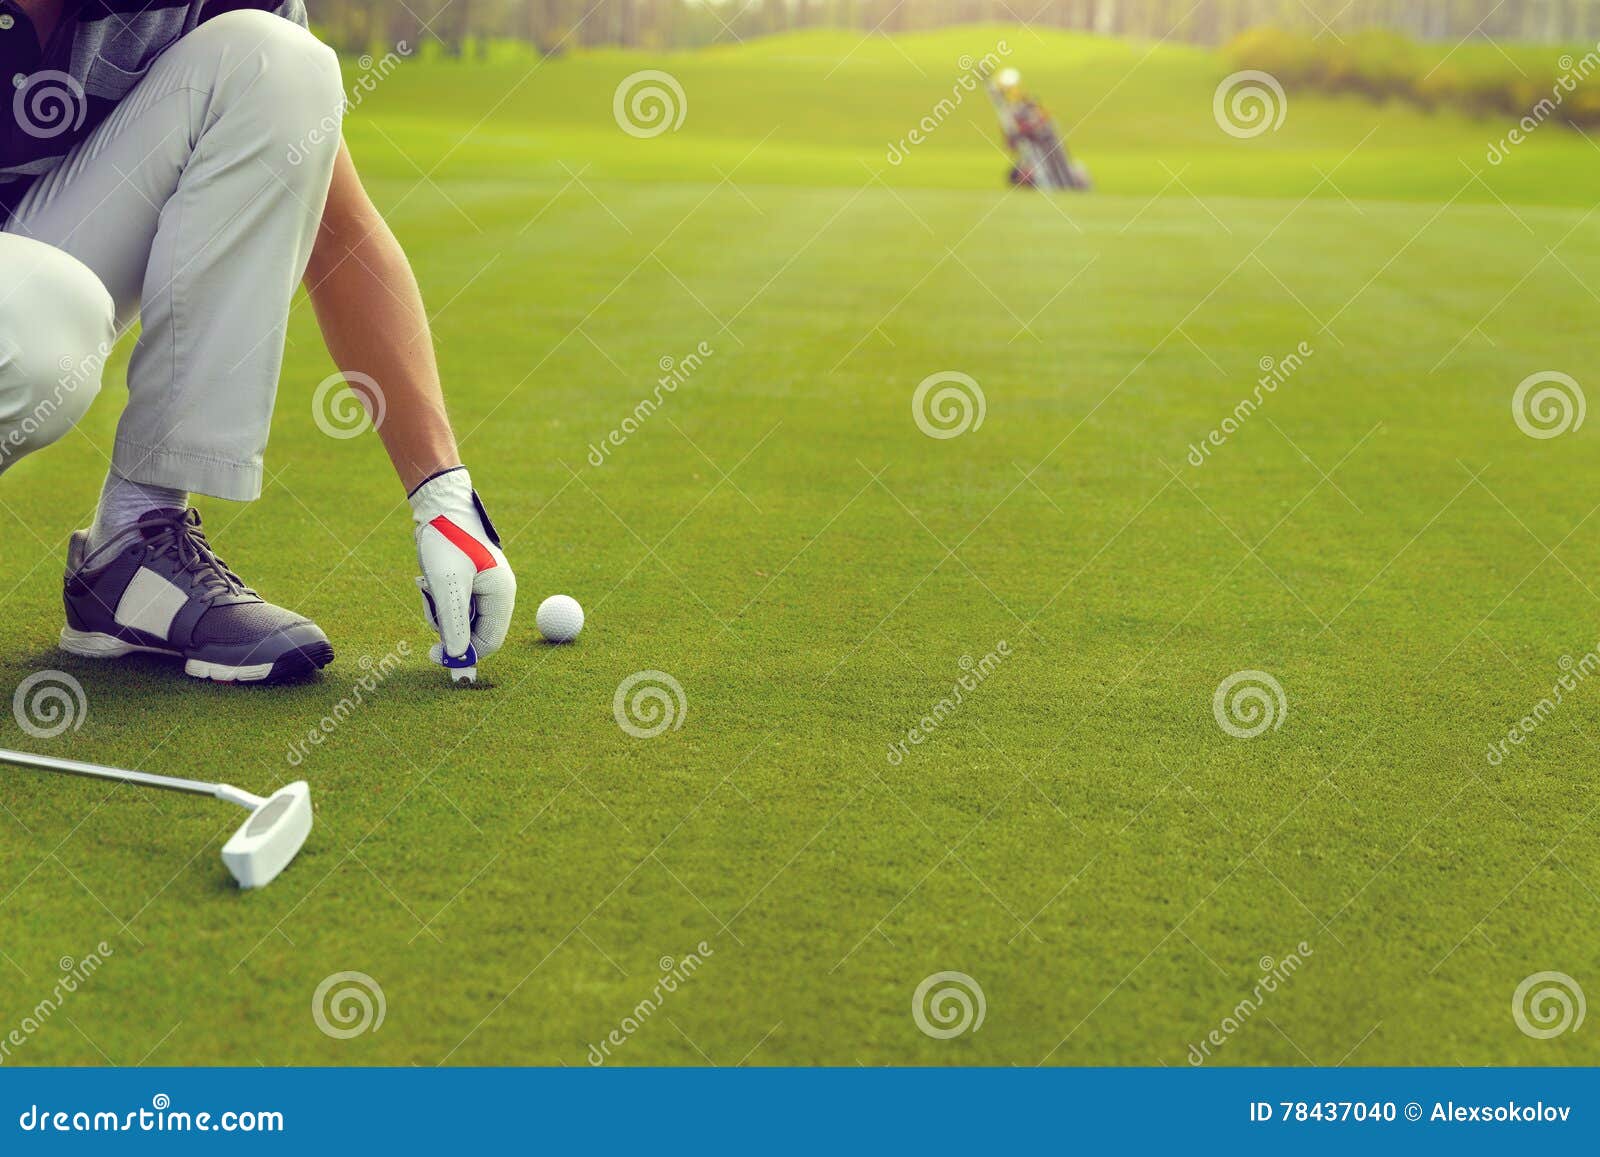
pixel 1080 837
pixel 824 108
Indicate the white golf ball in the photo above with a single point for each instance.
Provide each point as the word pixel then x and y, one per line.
pixel 559 618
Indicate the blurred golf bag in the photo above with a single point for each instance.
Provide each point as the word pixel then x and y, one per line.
pixel 1041 160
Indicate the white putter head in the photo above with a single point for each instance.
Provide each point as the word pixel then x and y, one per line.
pixel 256 853
pixel 271 837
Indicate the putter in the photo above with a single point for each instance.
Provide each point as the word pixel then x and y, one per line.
pixel 256 853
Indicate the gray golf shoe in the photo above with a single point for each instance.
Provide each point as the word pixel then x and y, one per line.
pixel 160 589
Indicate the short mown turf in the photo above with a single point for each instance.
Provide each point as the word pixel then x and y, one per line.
pixel 1078 836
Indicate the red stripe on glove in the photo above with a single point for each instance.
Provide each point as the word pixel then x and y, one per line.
pixel 464 542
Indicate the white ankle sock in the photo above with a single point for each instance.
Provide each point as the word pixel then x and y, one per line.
pixel 123 502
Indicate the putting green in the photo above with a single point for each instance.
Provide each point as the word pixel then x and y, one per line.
pixel 1078 835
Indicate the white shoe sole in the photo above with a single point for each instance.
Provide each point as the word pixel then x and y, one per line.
pixel 96 645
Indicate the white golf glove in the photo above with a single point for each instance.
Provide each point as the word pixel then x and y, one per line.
pixel 468 590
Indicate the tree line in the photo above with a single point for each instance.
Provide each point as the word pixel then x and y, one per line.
pixel 464 27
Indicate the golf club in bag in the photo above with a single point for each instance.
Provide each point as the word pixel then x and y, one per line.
pixel 256 853
pixel 1042 160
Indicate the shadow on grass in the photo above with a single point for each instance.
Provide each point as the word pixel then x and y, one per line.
pixel 144 673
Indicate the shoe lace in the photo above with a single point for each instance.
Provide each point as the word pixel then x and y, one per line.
pixel 179 534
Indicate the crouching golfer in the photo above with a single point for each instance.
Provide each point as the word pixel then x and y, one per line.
pixel 146 174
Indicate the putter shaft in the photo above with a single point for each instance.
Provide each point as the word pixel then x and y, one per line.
pixel 95 771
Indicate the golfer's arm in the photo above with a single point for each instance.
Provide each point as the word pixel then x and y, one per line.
pixel 370 310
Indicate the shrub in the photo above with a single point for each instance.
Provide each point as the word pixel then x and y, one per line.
pixel 1292 57
pixel 1384 65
